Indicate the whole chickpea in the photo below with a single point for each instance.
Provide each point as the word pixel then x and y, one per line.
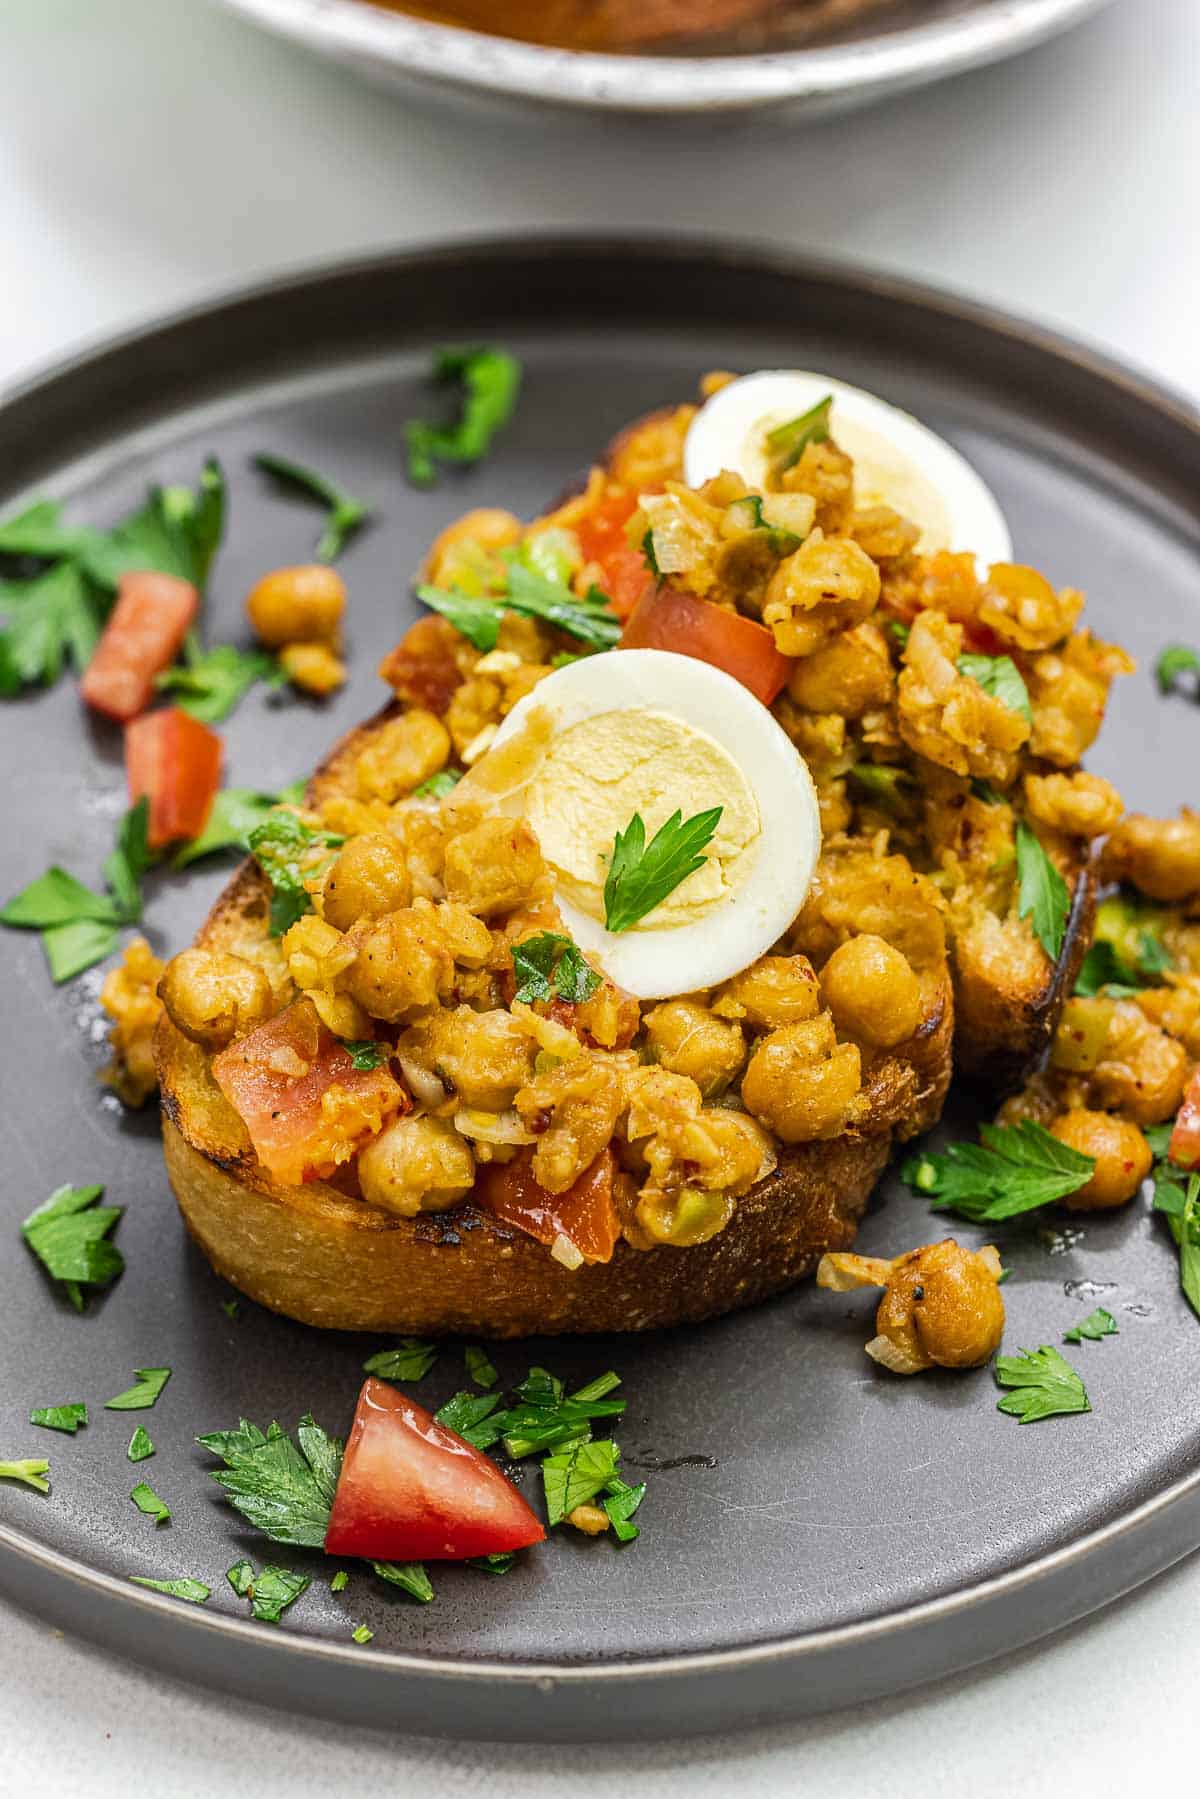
pixel 370 877
pixel 1121 1153
pixel 213 997
pixel 416 1165
pixel 297 605
pixel 487 527
pixel 689 1040
pixel 315 668
pixel 941 1305
pixel 872 992
pixel 801 1083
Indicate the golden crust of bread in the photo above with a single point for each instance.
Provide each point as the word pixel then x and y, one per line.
pixel 326 1258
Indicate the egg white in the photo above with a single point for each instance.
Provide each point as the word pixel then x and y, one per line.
pixel 898 461
pixel 657 963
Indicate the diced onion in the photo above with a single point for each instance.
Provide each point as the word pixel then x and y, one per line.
pixel 492 1127
pixel 422 1083
pixel 789 512
pixel 564 1251
pixel 884 1351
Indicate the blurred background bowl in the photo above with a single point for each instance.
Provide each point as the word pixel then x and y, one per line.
pixel 860 53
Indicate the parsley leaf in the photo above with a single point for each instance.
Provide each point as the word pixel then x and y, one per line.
pixel 479 1368
pixel 550 965
pixel 573 1476
pixel 1013 1169
pixel 271 1592
pixel 410 1360
pixel 240 1577
pixel 439 785
pixel 340 1581
pixel 235 813
pixel 641 875
pixel 498 1563
pixel 1097 1324
pixel 1177 1197
pixel 140 1447
pixel 1044 1385
pixel 1127 951
pixel 366 1054
pixel 491 381
pixel 80 927
pixel 362 1633
pixel 410 1577
pixel 148 1501
pixel 478 616
pixel 129 861
pixel 1175 660
pixel 60 1417
pixel 142 1395
pixel 284 1491
pixel 346 515
pixel 209 683
pixel 1043 896
pixel 470 1416
pixel 68 1234
pixel 176 530
pixel 544 1418
pixel 194 1591
pixel 788 442
pixel 30 1471
pixel 621 1502
pixel 52 619
pixel 285 849
pixel 1000 677
pixel 883 782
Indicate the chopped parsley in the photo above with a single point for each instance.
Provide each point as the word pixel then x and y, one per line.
pixel 51 620
pixel 651 560
pixel 1014 1168
pixel 898 631
pixel 285 848
pixel 31 1472
pixel 194 1591
pixel 209 683
pixel 641 875
pixel 240 1577
pixel 1091 1329
pixel 1174 661
pixel 231 1308
pixel 340 1581
pixel 575 1475
pixel 410 1577
pixel 787 443
pixel 479 1368
pixel 1177 1197
pixel 499 1563
pixel 1043 1385
pixel 69 1236
pixel 550 966
pixel 491 380
pixel 235 813
pixel 140 1447
pixel 621 1502
pixel 1043 896
pixel 590 619
pixel 60 1417
pixel 882 781
pixel 410 1360
pixel 148 1501
pixel 346 515
pixel 999 677
pixel 78 926
pixel 470 1416
pixel 271 1592
pixel 439 785
pixel 366 1054
pixel 148 1384
pixel 283 1490
pixel 362 1633
pixel 1127 951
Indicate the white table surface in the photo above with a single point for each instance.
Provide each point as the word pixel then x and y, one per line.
pixel 155 151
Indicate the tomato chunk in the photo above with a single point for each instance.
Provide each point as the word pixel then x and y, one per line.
pixel 1184 1147
pixel 586 1214
pixel 175 762
pixel 152 615
pixel 423 668
pixel 626 576
pixel 412 1491
pixel 297 1091
pixel 670 619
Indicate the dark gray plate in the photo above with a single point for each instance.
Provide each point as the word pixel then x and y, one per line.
pixel 816 1531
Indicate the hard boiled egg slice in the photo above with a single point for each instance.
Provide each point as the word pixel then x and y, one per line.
pixel 898 462
pixel 653 733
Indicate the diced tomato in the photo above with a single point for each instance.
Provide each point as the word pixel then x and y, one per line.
pixel 626 573
pixel 586 1214
pixel 412 1491
pixel 297 1091
pixel 423 668
pixel 669 619
pixel 145 631
pixel 175 761
pixel 1184 1147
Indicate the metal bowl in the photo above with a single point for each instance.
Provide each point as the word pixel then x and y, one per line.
pixel 952 35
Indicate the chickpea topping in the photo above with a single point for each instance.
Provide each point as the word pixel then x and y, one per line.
pixel 872 992
pixel 941 1305
pixel 404 753
pixel 825 586
pixel 416 1165
pixel 484 1057
pixel 297 606
pixel 690 1040
pixel 1122 1156
pixel 493 868
pixel 369 877
pixel 1161 856
pixel 313 667
pixel 848 676
pixel 801 1083
pixel 213 997
pixel 684 1218
pixel 592 1520
pixel 485 528
pixel 130 997
pixel 774 991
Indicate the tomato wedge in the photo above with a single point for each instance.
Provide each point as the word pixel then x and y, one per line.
pixel 1184 1147
pixel 175 761
pixel 670 619
pixel 626 575
pixel 145 631
pixel 586 1214
pixel 297 1091
pixel 411 1491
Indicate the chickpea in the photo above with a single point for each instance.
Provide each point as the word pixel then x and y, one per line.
pixel 592 1520
pixel 297 605
pixel 213 997
pixel 484 1056
pixel 313 667
pixel 689 1040
pixel 1161 856
pixel 801 1083
pixel 774 991
pixel 872 992
pixel 401 964
pixel 827 585
pixel 370 877
pixel 485 528
pixel 581 1100
pixel 402 754
pixel 416 1165
pixel 682 1218
pixel 941 1305
pixel 849 676
pixel 1122 1156
pixel 492 868
pixel 1142 1071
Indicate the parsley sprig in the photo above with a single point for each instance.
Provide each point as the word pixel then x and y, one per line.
pixel 66 1418
pixel 491 381
pixel 69 1236
pixel 1014 1168
pixel 591 619
pixel 78 926
pixel 31 1472
pixel 1177 1198
pixel 1000 678
pixel 346 515
pixel 1093 1328
pixel 1042 895
pixel 550 966
pixel 235 813
pixel 288 852
pixel 1043 1385
pixel 641 874
pixel 209 683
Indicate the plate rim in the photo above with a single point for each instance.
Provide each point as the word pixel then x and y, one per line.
pixel 1092 1559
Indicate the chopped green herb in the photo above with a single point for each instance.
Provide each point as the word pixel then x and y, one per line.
pixel 550 966
pixel 346 515
pixel 621 1502
pixel 231 1308
pixel 54 618
pixel 1012 1169
pixel 410 1360
pixel 545 1418
pixel 340 1581
pixel 575 1475
pixel 209 683
pixel 479 1368
pixel 478 616
pixel 787 443
pixel 240 1577
pixel 470 1416
pixel 410 1577
pixel 1174 661
pixel 140 1447
pixel 1097 1324
pixel 1000 677
pixel 898 631
pixel 284 1491
pixel 983 790
pixel 69 1236
pixel 30 1471
pixel 641 875
pixel 60 1417
pixel 362 1633
pixel 366 1054
pixel 148 1501
pixel 883 782
pixel 500 1563
pixel 288 852
pixel 79 927
pixel 439 785
pixel 1127 951
pixel 1043 896
pixel 236 812
pixel 491 381
pixel 193 1590
pixel 271 1592
pixel 142 1395
pixel 648 553
pixel 1044 1385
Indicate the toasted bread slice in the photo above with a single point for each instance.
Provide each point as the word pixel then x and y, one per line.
pixel 320 1254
